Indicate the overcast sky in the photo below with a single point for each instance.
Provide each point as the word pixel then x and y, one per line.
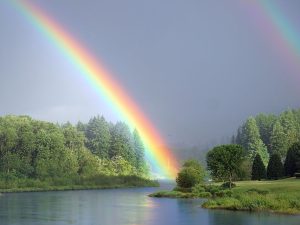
pixel 196 68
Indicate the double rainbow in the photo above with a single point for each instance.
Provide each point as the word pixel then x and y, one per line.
pixel 102 82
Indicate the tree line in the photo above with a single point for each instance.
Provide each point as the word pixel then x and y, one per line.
pixel 37 149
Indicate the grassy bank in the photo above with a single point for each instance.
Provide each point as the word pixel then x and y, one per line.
pixel 280 196
pixel 76 183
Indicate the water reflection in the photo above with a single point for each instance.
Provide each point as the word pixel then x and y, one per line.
pixel 123 206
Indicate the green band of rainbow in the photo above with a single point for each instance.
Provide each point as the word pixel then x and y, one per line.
pixel 157 151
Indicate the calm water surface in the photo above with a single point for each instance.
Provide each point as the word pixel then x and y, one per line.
pixel 121 206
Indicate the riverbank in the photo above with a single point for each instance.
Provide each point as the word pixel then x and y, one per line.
pixel 280 196
pixel 78 183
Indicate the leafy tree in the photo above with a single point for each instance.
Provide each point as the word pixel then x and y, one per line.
pixel 192 173
pixel 275 168
pixel 251 141
pixel 278 140
pixel 224 161
pixel 258 169
pixel 291 160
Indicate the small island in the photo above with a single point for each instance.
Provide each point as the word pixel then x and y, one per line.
pixel 249 174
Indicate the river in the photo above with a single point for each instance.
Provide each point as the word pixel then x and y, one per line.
pixel 121 206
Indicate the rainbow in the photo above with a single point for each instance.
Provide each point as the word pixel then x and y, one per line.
pixel 279 31
pixel 103 83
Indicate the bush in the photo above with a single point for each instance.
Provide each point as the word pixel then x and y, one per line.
pixel 184 190
pixel 191 174
pixel 204 195
pixel 224 193
pixel 197 189
pixel 188 177
pixel 258 191
pixel 227 185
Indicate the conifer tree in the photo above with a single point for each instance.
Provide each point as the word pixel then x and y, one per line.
pixel 275 168
pixel 252 142
pixel 258 169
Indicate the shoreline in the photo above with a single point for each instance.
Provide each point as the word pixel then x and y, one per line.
pixel 69 188
pixel 277 196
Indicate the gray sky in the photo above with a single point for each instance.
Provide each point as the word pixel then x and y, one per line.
pixel 196 68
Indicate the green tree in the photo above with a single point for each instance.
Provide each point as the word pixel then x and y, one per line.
pixel 290 128
pixel 278 140
pixel 291 160
pixel 98 137
pixel 265 126
pixel 252 142
pixel 275 167
pixel 258 169
pixel 122 143
pixel 224 161
pixel 139 149
pixel 192 173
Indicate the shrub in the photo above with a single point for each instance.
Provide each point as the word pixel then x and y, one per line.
pixel 188 177
pixel 258 191
pixel 227 185
pixel 198 188
pixel 224 193
pixel 184 190
pixel 204 195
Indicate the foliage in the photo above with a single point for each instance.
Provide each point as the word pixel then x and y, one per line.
pixel 292 160
pixel 224 161
pixel 32 149
pixel 191 174
pixel 252 142
pixel 275 196
pixel 275 168
pixel 258 169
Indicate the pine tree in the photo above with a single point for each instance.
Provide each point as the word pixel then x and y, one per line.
pixel 265 126
pixel 139 153
pixel 258 169
pixel 98 137
pixel 275 168
pixel 292 158
pixel 288 122
pixel 278 140
pixel 122 143
pixel 252 142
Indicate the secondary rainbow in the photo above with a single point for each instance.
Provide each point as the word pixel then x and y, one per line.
pixel 279 30
pixel 157 151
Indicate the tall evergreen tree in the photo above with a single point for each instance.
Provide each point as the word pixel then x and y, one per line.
pixel 258 169
pixel 139 153
pixel 122 143
pixel 288 122
pixel 291 160
pixel 278 140
pixel 275 168
pixel 265 126
pixel 252 142
pixel 98 137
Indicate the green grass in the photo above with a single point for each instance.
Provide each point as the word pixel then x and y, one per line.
pixel 76 183
pixel 280 196
pixel 172 194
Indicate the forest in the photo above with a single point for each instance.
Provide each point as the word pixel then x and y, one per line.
pixel 269 136
pixel 65 154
